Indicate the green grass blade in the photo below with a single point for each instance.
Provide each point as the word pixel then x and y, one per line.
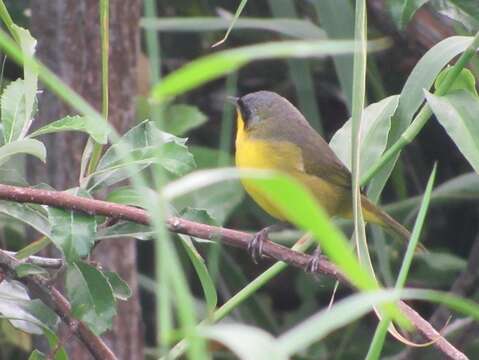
pixel 238 12
pixel 218 64
pixel 377 343
pixel 353 307
pixel 245 293
pixel 359 94
pixel 105 50
pixel 7 19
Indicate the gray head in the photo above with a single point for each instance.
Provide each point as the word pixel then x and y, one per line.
pixel 266 107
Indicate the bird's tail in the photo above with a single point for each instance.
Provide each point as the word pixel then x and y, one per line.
pixel 375 215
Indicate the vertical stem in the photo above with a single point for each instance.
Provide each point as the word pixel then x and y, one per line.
pixel 105 48
pixel 359 91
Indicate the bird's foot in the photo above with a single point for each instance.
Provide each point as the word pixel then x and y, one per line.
pixel 314 262
pixel 255 246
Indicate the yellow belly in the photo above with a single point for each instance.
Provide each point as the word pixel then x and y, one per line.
pixel 286 157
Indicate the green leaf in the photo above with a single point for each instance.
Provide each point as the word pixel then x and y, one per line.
pixel 377 344
pixel 148 145
pixel 457 113
pixel 346 311
pixel 29 214
pixel 220 199
pixel 412 96
pixel 179 119
pixel 121 290
pixel 72 232
pixel 13 111
pixel 27 315
pixel 198 215
pixel 97 130
pixel 464 81
pixel 443 261
pixel 37 355
pixel 125 229
pixel 207 283
pixel 295 28
pixel 19 97
pixel 26 269
pixel 28 44
pixel 33 248
pixel 416 232
pixel 128 196
pixel 91 296
pixel 12 177
pixel 53 342
pixel 25 146
pixel 374 133
pixel 246 342
pixel 218 64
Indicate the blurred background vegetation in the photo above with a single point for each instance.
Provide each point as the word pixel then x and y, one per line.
pixel 321 88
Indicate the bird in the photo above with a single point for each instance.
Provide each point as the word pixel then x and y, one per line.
pixel 272 134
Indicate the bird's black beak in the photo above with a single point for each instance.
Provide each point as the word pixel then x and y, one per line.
pixel 232 100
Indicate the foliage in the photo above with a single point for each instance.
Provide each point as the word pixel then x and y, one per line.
pixel 155 167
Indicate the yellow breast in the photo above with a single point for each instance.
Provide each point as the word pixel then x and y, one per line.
pixel 265 155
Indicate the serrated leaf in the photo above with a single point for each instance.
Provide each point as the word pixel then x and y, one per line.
pixel 16 304
pixel 121 290
pixel 180 118
pixel 26 269
pixel 457 113
pixel 148 145
pixel 464 81
pixel 25 146
pixel 72 232
pixel 91 296
pixel 97 130
pixel 374 134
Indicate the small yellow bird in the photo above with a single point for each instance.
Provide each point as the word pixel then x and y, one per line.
pixel 273 134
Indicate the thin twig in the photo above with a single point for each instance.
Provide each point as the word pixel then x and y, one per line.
pixel 228 236
pixel 45 262
pixel 39 287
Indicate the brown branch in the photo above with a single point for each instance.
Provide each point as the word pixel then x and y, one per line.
pixel 39 287
pixel 464 284
pixel 230 237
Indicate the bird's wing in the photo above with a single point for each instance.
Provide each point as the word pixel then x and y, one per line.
pixel 318 158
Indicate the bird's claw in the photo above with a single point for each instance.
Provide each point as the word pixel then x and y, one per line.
pixel 255 246
pixel 314 263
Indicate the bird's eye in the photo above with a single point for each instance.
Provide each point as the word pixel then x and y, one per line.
pixel 248 115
